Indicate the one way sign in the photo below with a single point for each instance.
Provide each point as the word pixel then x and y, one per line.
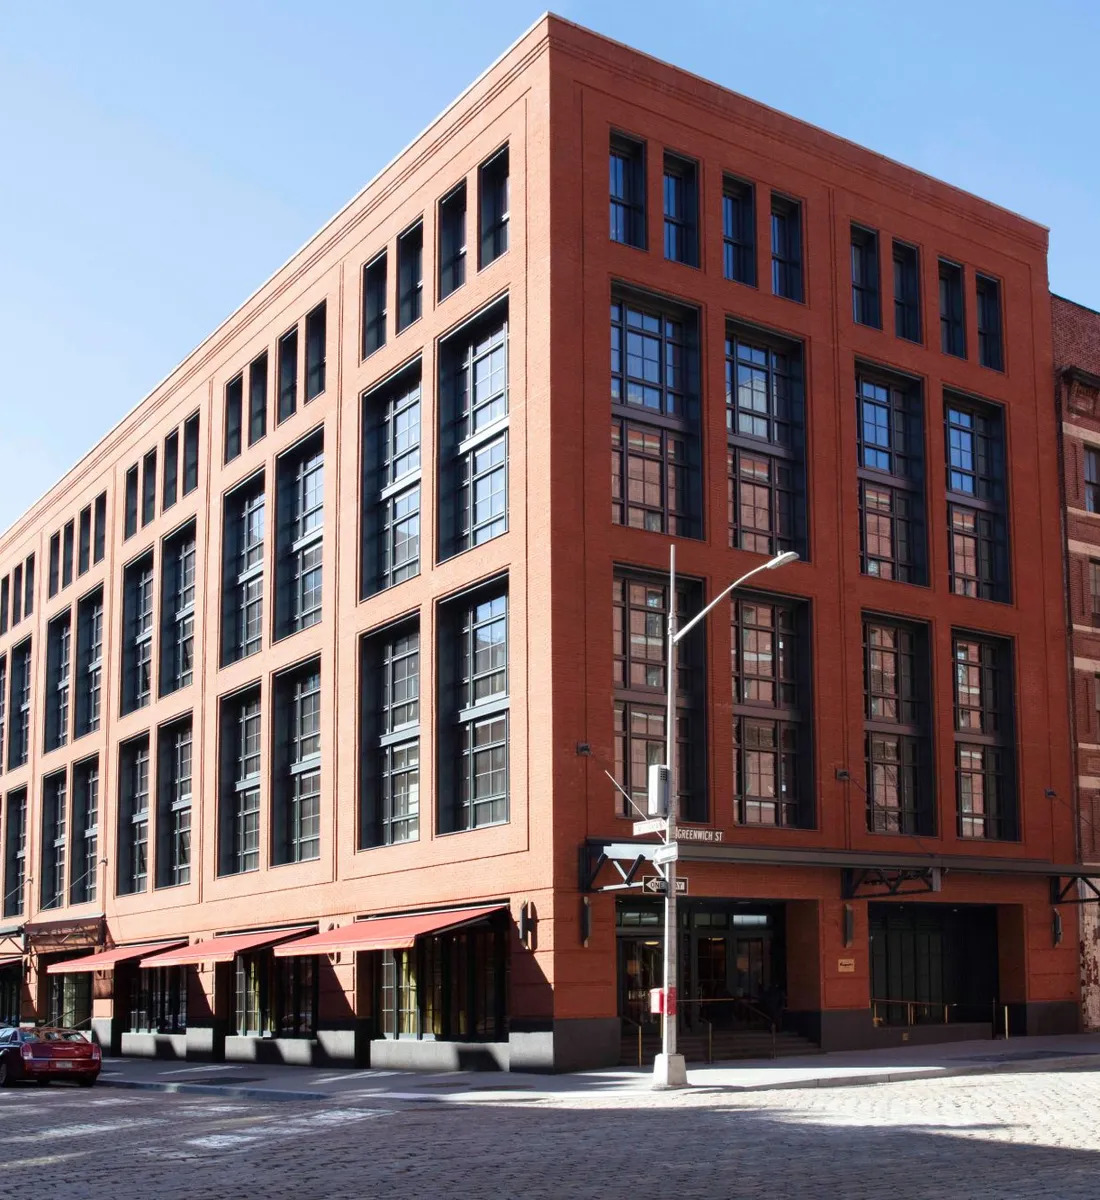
pixel 655 885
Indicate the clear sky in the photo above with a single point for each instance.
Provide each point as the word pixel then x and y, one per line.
pixel 158 161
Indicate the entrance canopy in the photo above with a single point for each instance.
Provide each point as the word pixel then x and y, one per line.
pixel 387 933
pixel 106 959
pixel 220 949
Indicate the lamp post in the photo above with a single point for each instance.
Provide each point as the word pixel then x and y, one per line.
pixel 669 1070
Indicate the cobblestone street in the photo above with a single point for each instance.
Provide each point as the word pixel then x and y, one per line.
pixel 1027 1135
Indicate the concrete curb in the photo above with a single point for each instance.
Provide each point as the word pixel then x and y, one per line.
pixel 214 1089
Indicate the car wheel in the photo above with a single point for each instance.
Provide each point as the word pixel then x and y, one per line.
pixel 86 1080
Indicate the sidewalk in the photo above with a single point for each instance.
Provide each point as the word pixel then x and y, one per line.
pixel 255 1081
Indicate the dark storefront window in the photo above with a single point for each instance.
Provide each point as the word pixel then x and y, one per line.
pixel 159 1001
pixel 275 996
pixel 69 1002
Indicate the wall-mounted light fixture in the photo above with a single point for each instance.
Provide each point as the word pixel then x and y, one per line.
pixel 586 920
pixel 849 925
pixel 1056 928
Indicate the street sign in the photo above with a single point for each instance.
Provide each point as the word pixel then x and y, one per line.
pixel 657 825
pixel 667 853
pixel 654 885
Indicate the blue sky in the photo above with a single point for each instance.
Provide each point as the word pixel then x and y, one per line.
pixel 161 160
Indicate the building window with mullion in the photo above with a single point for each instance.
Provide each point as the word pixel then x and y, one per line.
pixel 655 417
pixel 990 343
pixel 19 707
pixel 3 706
pixel 640 657
pixel 952 314
pixel 1092 479
pixel 391 484
pixel 410 275
pixel 301 536
pixel 297 790
pixel 85 832
pixel 907 323
pixel 374 304
pixel 473 742
pixel 239 790
pixel 137 620
pixel 627 188
pixel 985 774
pixel 15 852
pixel 55 804
pixel 772 745
pixel 681 200
pixel 58 674
pixel 786 248
pixel 243 571
pixel 739 231
pixel 133 817
pixel 493 187
pixel 766 443
pixel 257 399
pixel 316 353
pixel 174 808
pixel 287 366
pixel 452 241
pixel 473 492
pixel 900 795
pixel 977 524
pixel 866 309
pixel 891 478
pixel 390 768
pixel 177 654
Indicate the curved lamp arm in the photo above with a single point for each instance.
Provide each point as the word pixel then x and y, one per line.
pixel 780 560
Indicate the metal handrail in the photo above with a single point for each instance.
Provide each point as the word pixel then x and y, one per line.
pixel 638 1026
pixel 748 1005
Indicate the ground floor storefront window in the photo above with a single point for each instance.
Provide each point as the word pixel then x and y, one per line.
pixel 452 987
pixel 11 983
pixel 275 997
pixel 69 1001
pixel 159 1001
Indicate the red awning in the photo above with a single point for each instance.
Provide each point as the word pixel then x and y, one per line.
pixel 219 949
pixel 105 960
pixel 386 933
pixel 9 960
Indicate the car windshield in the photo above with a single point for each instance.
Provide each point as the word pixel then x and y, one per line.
pixel 52 1035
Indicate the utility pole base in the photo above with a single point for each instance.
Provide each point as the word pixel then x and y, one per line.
pixel 669 1071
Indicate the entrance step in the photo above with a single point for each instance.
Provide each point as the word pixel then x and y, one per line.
pixel 726 1045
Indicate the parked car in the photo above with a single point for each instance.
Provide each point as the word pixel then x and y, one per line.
pixel 44 1054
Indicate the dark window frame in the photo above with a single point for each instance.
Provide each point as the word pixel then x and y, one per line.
pixel 240 782
pixel 134 783
pixel 296 786
pixel 680 207
pixel 627 190
pixel 300 511
pixel 179 585
pixel 410 275
pixel 375 305
pixel 866 282
pixel 987 292
pixel 493 192
pixel 243 550
pixel 452 240
pixel 907 297
pixel 739 230
pixel 787 256
pixel 952 309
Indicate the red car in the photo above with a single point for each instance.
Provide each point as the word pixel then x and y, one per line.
pixel 45 1054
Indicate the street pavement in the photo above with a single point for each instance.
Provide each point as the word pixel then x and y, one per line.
pixel 1027 1133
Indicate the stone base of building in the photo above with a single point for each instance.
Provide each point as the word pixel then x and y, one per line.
pixel 155 1045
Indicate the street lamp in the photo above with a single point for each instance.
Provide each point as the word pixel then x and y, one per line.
pixel 669 1070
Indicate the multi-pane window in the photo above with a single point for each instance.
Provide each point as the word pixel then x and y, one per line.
pixel 391 492
pixel 55 808
pixel 3 706
pixel 177 645
pixel 58 678
pixel 786 247
pixel 655 417
pixel 492 180
pixel 315 351
pixel 239 806
pixel 1092 480
pixel 681 203
pixel 17 595
pixel 84 553
pixel 985 776
pixel 257 399
pixel 952 316
pixel 137 619
pixel 627 190
pixel 89 662
pixel 297 790
pixel 234 416
pixel 19 736
pixel 907 322
pixel 66 559
pixel 133 816
pixel 765 443
pixel 891 479
pixel 1094 590
pixel 772 755
pixel 4 605
pixel 390 770
pixel 287 383
pixel 54 577
pixel 85 833
pixel 148 496
pixel 900 795
pixel 99 538
pixel 299 569
pixel 474 733
pixel 254 1017
pixel 15 852
pixel 990 342
pixel 410 276
pixel 739 231
pixel 473 501
pixel 374 304
pixel 190 455
pixel 640 657
pixel 170 482
pixel 977 529
pixel 866 308
pixel 131 515
pixel 174 766
pixel 243 571
pixel 158 1001
pixel 452 241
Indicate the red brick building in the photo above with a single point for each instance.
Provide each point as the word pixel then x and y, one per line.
pixel 313 668
pixel 1077 371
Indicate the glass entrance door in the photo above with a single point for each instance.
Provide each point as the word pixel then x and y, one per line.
pixel 641 967
pixel 751 975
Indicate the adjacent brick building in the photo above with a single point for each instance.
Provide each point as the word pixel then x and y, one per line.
pixel 1077 369
pixel 336 635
